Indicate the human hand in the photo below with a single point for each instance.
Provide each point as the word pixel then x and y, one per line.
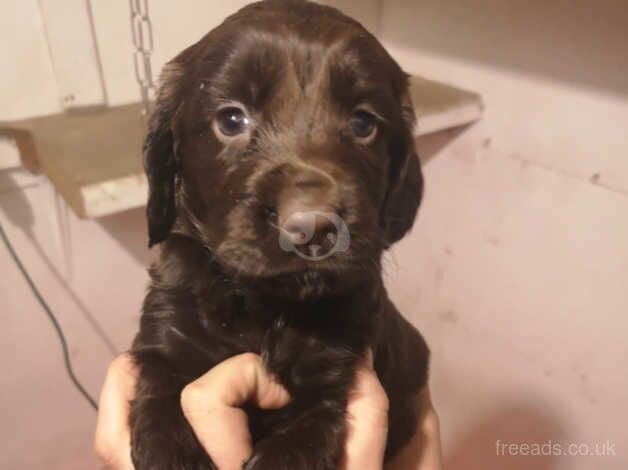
pixel 212 406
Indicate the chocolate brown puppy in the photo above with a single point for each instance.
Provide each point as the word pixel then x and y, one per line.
pixel 281 165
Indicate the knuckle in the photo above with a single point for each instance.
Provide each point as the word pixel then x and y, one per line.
pixel 381 398
pixel 431 422
pixel 376 392
pixel 193 398
pixel 122 361
pixel 120 366
pixel 250 359
pixel 103 448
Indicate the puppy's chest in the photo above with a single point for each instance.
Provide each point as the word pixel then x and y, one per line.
pixel 256 323
pixel 286 333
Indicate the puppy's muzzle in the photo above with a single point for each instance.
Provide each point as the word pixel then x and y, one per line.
pixel 307 208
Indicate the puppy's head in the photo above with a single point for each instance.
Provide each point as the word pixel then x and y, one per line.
pixel 283 142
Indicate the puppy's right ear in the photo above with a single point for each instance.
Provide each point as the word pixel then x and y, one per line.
pixel 160 159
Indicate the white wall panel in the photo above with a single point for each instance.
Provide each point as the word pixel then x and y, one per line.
pixel 27 84
pixel 73 52
pixel 517 276
pixel 552 74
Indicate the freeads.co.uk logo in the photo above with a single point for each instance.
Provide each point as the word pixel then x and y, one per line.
pixel 314 235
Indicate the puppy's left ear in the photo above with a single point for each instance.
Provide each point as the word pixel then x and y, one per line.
pixel 160 160
pixel 406 179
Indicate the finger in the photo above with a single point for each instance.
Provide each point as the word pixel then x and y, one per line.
pixel 212 403
pixel 423 452
pixel 112 442
pixel 367 416
pixel 429 431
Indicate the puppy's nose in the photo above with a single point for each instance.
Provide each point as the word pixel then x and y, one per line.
pixel 307 224
pixel 306 209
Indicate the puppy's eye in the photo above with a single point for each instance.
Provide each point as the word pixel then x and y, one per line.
pixel 364 125
pixel 232 121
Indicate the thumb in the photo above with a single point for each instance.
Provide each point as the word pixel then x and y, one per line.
pixel 212 403
pixel 367 415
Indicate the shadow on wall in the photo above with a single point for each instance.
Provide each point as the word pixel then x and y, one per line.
pixel 576 41
pixel 129 229
pixel 480 449
pixel 428 146
pixel 20 214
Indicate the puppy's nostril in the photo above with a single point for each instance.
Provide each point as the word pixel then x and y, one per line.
pixel 306 226
pixel 271 214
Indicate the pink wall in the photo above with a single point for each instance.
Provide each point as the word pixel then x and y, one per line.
pixel 517 271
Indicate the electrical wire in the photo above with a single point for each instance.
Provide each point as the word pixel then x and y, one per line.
pixel 53 319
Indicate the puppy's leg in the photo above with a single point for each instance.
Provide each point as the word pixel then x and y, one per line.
pixel 310 433
pixel 312 441
pixel 161 438
pixel 401 363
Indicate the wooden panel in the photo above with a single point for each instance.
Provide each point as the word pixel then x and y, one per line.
pixel 73 52
pixel 28 81
pixel 9 154
pixel 439 106
pixel 93 159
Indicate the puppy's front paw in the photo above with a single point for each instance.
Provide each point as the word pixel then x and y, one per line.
pixel 162 439
pixel 291 452
pixel 314 442
pixel 161 452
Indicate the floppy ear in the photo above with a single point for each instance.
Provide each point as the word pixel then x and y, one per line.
pixel 160 160
pixel 406 180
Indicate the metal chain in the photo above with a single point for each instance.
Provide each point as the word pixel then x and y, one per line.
pixel 142 31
